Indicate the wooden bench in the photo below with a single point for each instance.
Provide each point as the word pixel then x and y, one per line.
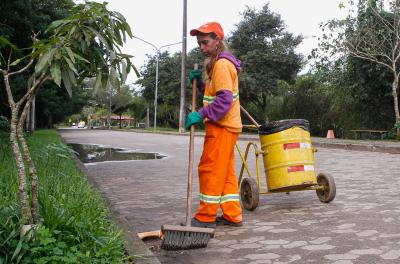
pixel 359 132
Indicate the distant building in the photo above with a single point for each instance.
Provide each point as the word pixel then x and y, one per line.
pixel 126 121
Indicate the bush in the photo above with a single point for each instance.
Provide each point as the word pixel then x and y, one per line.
pixel 392 134
pixel 4 124
pixel 75 226
pixel 39 245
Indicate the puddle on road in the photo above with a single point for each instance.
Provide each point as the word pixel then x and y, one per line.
pixel 95 153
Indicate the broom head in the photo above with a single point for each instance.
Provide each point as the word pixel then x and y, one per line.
pixel 185 237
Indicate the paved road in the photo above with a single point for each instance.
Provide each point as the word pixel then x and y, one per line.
pixel 362 225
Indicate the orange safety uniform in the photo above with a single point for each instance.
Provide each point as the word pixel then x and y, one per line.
pixel 218 183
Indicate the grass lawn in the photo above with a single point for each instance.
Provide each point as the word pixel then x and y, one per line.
pixel 76 227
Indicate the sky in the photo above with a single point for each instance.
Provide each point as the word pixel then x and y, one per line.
pixel 160 22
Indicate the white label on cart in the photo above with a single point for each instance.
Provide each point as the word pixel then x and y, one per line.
pixel 305 145
pixel 308 167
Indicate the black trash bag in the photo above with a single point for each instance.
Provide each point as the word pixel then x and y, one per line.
pixel 281 125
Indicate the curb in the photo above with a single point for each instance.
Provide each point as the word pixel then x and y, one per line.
pixel 359 147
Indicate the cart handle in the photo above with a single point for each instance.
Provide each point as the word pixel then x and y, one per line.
pixel 250 117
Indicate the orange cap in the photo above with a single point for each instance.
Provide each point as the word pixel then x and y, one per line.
pixel 209 27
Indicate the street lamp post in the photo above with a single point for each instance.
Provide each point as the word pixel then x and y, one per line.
pixel 157 50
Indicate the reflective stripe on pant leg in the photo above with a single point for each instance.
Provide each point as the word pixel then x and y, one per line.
pixel 230 203
pixel 213 171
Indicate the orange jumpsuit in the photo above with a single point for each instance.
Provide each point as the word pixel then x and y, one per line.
pixel 218 183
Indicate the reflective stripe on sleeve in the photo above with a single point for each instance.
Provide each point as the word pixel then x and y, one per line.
pixel 208 99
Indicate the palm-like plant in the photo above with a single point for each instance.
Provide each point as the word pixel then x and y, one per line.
pixel 86 44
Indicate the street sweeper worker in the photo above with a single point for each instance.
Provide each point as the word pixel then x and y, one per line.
pixel 221 116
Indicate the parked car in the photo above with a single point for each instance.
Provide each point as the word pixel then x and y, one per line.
pixel 81 124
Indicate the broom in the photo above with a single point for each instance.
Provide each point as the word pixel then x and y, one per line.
pixel 187 237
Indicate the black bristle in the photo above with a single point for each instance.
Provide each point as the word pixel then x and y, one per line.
pixel 176 240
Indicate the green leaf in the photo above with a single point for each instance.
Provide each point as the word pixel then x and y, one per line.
pixel 55 24
pixel 70 54
pixel 119 16
pixel 66 81
pixel 100 37
pixel 5 42
pixel 128 29
pixel 88 38
pixel 15 62
pixel 117 36
pixel 17 250
pixel 72 31
pixel 56 73
pixel 72 77
pixel 40 65
pixel 43 60
pixel 81 58
pixel 71 65
pixel 123 71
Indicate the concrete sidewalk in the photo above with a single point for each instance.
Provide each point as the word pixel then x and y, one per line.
pixel 362 224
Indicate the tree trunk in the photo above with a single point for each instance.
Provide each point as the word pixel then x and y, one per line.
pixel 147 124
pixel 22 190
pixel 28 159
pixel 19 162
pixel 28 121
pixel 50 121
pixel 395 87
pixel 30 117
pixel 33 115
pixel 264 107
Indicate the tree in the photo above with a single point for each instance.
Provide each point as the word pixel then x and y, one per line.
pixel 268 55
pixel 138 108
pixel 168 86
pixel 121 102
pixel 55 104
pixel 84 44
pixel 308 98
pixel 18 19
pixel 371 34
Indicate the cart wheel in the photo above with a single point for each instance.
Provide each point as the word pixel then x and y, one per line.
pixel 329 192
pixel 249 193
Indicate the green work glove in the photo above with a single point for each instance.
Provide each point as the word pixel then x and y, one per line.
pixel 195 74
pixel 193 119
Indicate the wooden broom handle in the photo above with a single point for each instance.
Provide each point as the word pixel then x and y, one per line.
pixel 155 234
pixel 191 155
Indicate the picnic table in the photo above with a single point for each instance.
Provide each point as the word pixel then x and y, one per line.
pixel 359 132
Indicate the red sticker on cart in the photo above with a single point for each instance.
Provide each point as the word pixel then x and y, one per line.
pixel 295 168
pixel 301 168
pixel 291 145
pixel 297 145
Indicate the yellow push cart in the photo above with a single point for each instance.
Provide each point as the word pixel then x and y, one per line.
pixel 288 158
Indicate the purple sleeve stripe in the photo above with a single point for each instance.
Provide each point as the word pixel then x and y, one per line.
pixel 219 108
